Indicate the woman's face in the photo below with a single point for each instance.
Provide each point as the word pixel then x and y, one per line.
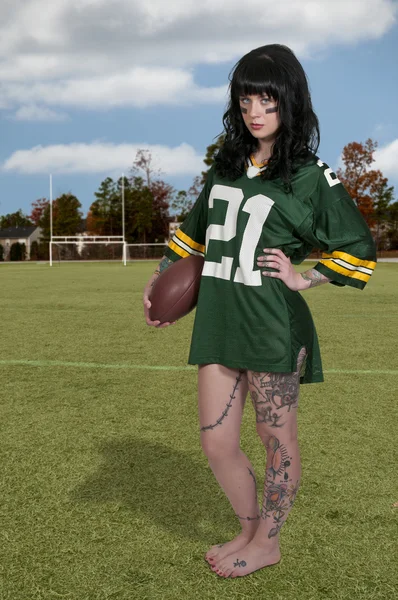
pixel 260 110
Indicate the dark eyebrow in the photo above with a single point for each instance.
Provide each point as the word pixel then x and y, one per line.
pixel 264 95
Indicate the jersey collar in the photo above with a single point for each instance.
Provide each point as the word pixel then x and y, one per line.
pixel 253 168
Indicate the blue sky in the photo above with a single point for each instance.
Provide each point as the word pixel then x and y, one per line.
pixel 87 82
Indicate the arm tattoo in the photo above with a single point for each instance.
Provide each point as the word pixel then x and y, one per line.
pixel 164 263
pixel 315 277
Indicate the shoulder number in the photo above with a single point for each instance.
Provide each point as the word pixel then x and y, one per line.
pixel 328 172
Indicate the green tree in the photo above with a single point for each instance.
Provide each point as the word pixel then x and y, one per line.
pixel 104 216
pixel 211 152
pixel 17 219
pixel 141 215
pixel 34 250
pixel 67 217
pixel 392 233
pixel 181 205
pixel 17 251
pixel 200 180
pixel 382 198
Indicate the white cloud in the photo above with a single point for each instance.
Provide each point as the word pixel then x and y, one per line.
pixel 386 159
pixel 94 53
pixel 37 113
pixel 138 87
pixel 100 157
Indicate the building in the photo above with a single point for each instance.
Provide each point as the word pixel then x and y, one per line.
pixel 23 235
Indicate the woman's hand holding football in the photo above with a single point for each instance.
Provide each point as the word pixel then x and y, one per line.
pixel 276 259
pixel 147 306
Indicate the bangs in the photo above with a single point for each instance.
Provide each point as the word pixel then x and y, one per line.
pixel 257 76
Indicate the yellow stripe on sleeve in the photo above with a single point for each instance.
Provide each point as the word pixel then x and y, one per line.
pixel 353 274
pixel 178 250
pixel 185 238
pixel 351 259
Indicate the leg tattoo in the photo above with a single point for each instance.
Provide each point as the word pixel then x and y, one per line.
pixel 274 396
pixel 228 406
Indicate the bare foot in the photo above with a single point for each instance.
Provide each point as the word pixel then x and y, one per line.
pixel 249 559
pixel 220 551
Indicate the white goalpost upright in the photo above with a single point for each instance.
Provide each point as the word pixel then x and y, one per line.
pixel 81 240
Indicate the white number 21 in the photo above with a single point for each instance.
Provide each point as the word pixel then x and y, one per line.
pixel 258 207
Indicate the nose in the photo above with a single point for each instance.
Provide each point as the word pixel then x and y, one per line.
pixel 255 109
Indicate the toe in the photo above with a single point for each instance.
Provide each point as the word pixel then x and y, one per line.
pixel 227 572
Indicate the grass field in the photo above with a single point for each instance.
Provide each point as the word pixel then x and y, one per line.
pixel 106 493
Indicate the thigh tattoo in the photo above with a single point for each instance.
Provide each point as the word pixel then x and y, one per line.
pixel 273 392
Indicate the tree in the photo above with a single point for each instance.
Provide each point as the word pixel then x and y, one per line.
pixel 38 208
pixel 105 213
pixel 17 219
pixel 366 186
pixel 392 232
pixel 66 217
pixel 161 193
pixel 17 251
pixel 211 152
pixel 383 198
pixel 181 205
pixel 34 251
pixel 141 212
pixel 199 180
pixel 143 162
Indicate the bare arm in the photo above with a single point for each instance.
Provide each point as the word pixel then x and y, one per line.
pixel 276 259
pixel 164 263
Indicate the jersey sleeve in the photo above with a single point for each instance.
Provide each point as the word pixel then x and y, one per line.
pixel 191 236
pixel 340 231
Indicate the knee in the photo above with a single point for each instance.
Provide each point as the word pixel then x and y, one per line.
pixel 286 434
pixel 216 447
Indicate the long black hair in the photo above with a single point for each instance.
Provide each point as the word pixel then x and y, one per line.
pixel 273 70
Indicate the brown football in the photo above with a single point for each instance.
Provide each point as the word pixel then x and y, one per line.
pixel 175 291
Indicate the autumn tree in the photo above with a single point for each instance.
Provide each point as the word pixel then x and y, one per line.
pixel 38 208
pixel 365 185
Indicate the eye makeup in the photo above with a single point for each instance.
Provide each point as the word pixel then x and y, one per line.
pixel 268 111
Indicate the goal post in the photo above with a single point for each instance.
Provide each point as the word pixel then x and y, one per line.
pixel 149 251
pixel 81 241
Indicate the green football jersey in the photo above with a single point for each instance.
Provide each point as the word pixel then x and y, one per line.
pixel 246 320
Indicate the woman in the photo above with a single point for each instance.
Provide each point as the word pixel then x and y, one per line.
pixel 268 200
